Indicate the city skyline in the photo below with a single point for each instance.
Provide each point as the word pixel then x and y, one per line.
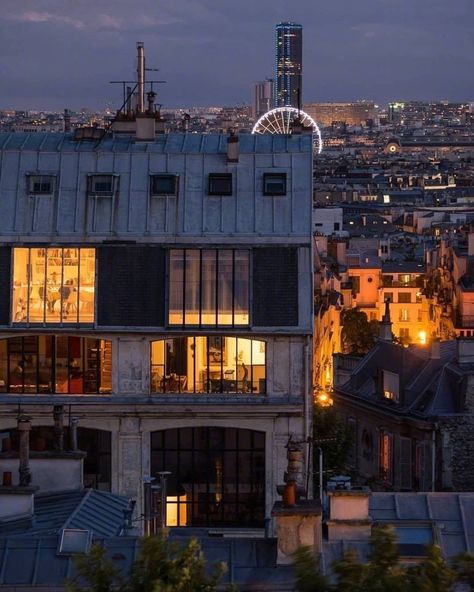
pixel 54 56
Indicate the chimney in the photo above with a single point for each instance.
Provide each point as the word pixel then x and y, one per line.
pixel 24 427
pixel 385 331
pixel 67 120
pixel 141 77
pixel 232 147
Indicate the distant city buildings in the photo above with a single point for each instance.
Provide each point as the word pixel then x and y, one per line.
pixel 354 113
pixel 289 64
pixel 420 112
pixel 262 97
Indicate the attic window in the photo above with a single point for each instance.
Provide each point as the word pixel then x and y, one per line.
pixel 164 184
pixel 102 185
pixel 391 385
pixel 74 540
pixel 41 184
pixel 274 184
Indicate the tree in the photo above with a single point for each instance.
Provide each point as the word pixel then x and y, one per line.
pixel 329 426
pixel 161 566
pixel 382 572
pixel 358 334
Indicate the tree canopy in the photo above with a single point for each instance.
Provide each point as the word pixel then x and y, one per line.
pixel 358 333
pixel 383 572
pixel 161 566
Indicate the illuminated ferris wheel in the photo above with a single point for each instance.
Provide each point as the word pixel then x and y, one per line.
pixel 280 120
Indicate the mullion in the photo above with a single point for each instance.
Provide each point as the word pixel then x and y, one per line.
pixel 184 287
pixel 233 288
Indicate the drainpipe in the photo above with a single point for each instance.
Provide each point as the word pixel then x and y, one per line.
pixel 24 427
pixel 306 403
pixel 433 457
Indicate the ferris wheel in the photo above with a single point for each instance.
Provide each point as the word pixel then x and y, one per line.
pixel 280 119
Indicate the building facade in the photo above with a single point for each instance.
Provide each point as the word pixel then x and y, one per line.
pixel 289 65
pixel 262 97
pixel 161 293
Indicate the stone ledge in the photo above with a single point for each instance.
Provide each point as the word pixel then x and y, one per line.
pixel 46 454
pixel 18 489
pixel 302 508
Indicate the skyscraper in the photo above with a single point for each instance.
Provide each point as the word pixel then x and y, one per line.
pixel 289 54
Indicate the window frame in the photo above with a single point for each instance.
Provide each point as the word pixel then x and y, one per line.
pixel 21 307
pixel 267 177
pixel 220 177
pixel 184 313
pixel 169 176
pixel 115 178
pixel 30 177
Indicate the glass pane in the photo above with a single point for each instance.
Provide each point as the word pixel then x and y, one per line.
pixel 258 367
pixel 105 366
pixel 30 364
pixel 20 285
pixel 208 306
pixel 69 292
pixel 61 364
pixel 86 285
pixel 37 298
pixel 54 265
pixel 200 365
pixel 76 365
pixel 92 363
pixel 45 365
pixel 224 280
pixel 241 288
pixel 157 366
pixel 3 366
pixel 192 287
pixel 176 304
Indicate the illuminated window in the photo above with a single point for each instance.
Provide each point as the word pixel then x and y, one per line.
pixel 217 475
pixel 209 287
pixel 212 364
pixel 102 185
pixel 39 364
pixel 391 385
pixel 274 184
pixel 220 184
pixel 164 184
pixel 404 315
pixel 41 184
pixel 385 456
pixel 53 285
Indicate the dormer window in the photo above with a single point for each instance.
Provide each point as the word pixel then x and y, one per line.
pixel 164 184
pixel 102 185
pixel 41 184
pixel 391 385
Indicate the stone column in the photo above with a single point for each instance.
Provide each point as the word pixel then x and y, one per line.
pixel 130 472
pixel 24 427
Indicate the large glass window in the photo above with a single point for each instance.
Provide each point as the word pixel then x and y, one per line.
pixel 208 365
pixel 55 364
pixel 53 285
pixel 209 287
pixel 217 475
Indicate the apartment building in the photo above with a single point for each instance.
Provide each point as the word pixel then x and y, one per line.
pixel 158 292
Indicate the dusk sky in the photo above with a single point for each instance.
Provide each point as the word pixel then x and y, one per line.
pixel 62 53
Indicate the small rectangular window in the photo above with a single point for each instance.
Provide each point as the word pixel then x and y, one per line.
pixel 101 184
pixel 274 184
pixel 220 184
pixel 164 184
pixel 404 297
pixel 41 184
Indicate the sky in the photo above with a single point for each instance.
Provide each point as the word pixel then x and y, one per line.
pixel 63 53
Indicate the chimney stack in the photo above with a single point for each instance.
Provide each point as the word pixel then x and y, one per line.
pixel 24 427
pixel 232 147
pixel 385 331
pixel 141 77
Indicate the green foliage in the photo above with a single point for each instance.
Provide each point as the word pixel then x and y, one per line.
pixel 327 424
pixel 161 566
pixel 383 572
pixel 358 333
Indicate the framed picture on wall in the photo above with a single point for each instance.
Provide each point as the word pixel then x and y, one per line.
pixel 217 353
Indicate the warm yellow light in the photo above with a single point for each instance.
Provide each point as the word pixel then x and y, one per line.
pixel 172 510
pixel 324 399
pixel 422 337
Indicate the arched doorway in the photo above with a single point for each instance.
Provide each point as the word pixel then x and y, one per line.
pixel 217 475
